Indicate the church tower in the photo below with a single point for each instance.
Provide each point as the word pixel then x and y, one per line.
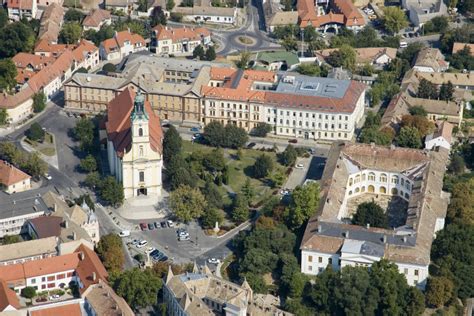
pixel 140 128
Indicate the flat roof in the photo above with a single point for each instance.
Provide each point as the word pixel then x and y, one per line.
pixel 20 204
pixel 313 86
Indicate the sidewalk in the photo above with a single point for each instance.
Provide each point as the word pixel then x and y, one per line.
pixel 50 160
pixel 16 126
pixel 145 207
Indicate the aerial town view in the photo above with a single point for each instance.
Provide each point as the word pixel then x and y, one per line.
pixel 237 157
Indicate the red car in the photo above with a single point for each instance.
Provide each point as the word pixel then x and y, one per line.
pixel 293 141
pixel 143 226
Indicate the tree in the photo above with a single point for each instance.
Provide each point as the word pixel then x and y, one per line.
pixel 10 239
pixel 411 51
pixel 3 17
pixel 187 203
pixel 439 291
pixel 176 17
pixel 14 38
pixel 344 57
pixel 427 90
pixel 240 209
pixel 210 53
pixel 88 164
pixel 84 132
pixel 158 17
pixel 235 137
pixel 73 15
pixel 111 191
pixel 35 132
pixel 243 62
pixel 70 33
pixel 370 213
pixel 214 161
pixel 379 137
pixel 438 24
pixel 33 165
pixel 8 74
pixel 172 144
pixel 3 117
pixel 198 52
pixel 93 180
pixel 409 137
pixel 288 156
pixel 457 165
pixel 211 216
pixel 417 110
pixel 263 166
pixel 105 32
pixel 109 67
pixel 289 43
pixel 28 292
pixel 110 250
pixel 213 196
pixel 394 19
pixel 262 129
pixel 170 5
pixel 421 123
pixel 214 134
pixel 187 3
pixel 309 69
pixel 81 70
pixel 304 203
pixel 179 173
pixel 138 287
pixel 247 190
pixel 39 102
pixel 446 91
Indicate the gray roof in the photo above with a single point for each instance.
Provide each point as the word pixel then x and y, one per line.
pixel 313 86
pixel 28 249
pixel 23 203
pixel 363 248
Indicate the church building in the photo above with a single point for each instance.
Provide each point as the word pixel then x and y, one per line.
pixel 134 144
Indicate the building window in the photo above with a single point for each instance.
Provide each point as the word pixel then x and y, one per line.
pixel 383 177
pixel 310 268
pixel 33 281
pixel 141 175
pixel 371 176
pixel 416 272
pixel 310 258
pixel 320 259
pixel 140 151
pixel 406 271
pixel 394 180
pixel 329 260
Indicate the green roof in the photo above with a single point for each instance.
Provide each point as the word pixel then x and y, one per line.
pixel 271 57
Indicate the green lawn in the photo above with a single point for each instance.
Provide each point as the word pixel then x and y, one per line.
pixel 237 168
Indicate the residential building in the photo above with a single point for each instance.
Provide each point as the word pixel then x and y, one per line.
pixel 86 55
pixel 134 144
pixel 46 3
pixel 18 9
pixel 83 267
pixel 95 19
pixel 442 137
pixel 208 14
pixel 8 300
pixel 51 23
pixel 296 106
pixel 28 251
pixel 430 60
pixel 460 46
pixel 378 57
pixel 121 45
pixel 409 180
pixel 202 293
pixel 179 41
pixel 343 13
pixel 422 11
pixel 275 17
pixel 400 104
pixel 27 65
pixel 275 61
pixel 126 6
pixel 100 299
pixel 19 106
pixel 13 179
pixel 17 209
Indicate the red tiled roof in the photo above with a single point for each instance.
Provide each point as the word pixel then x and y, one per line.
pixel 69 310
pixel 346 13
pixel 24 60
pixel 9 174
pixel 118 123
pixel 84 48
pixel 51 265
pixel 44 46
pixel 24 4
pixel 57 69
pixel 95 17
pixel 88 266
pixel 119 40
pixel 460 46
pixel 8 101
pixel 179 34
pixel 7 297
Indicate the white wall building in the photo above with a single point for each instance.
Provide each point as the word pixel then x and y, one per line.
pixel 208 14
pixel 442 137
pixel 121 45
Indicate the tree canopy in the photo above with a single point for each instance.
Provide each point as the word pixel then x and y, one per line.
pixel 262 167
pixel 172 144
pixel 111 191
pixel 70 33
pixel 370 213
pixel 288 156
pixel 394 19
pixel 39 102
pixel 187 203
pixel 304 203
pixel 110 250
pixel 8 73
pixel 35 132
pixel 16 37
pixel 215 134
pixel 84 132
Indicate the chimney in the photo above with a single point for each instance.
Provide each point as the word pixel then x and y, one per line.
pixel 404 239
pixel 320 228
pixel 384 239
pixel 74 236
pixel 368 226
pixel 66 224
pixel 94 276
pixel 81 255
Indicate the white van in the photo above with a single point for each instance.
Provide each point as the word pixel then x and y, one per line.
pixel 142 243
pixel 403 44
pixel 124 233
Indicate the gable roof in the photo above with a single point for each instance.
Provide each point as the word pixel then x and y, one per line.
pixel 179 34
pixel 95 17
pixel 28 248
pixel 432 58
pixel 9 174
pixel 118 123
pixel 89 269
pixel 105 301
pixel 7 297
pixel 17 4
pixel 67 309
pixel 119 39
pixel 48 74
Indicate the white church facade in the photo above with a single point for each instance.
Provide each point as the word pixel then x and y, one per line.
pixel 134 144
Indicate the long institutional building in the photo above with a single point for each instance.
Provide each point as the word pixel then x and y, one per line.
pixel 410 182
pixel 191 92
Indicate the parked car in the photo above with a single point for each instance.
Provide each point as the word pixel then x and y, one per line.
pixel 163 224
pixel 293 141
pixel 54 297
pixel 48 176
pixel 124 233
pixel 170 223
pixel 157 225
pixel 151 226
pixel 213 261
pixel 195 129
pixel 251 145
pixel 183 238
pixel 284 192
pixel 403 44
pixel 142 244
pixel 183 234
pixel 143 226
pixel 299 166
pixel 150 249
pixel 135 242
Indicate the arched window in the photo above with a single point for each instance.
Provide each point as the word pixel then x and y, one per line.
pixel 371 188
pixel 357 179
pixel 402 182
pixel 383 190
pixel 371 176
pixel 140 151
pixel 362 189
pixel 356 190
pixel 350 192
pixel 383 177
pixel 394 180
pixel 140 131
pixel 350 181
pixel 363 177
pixel 394 191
